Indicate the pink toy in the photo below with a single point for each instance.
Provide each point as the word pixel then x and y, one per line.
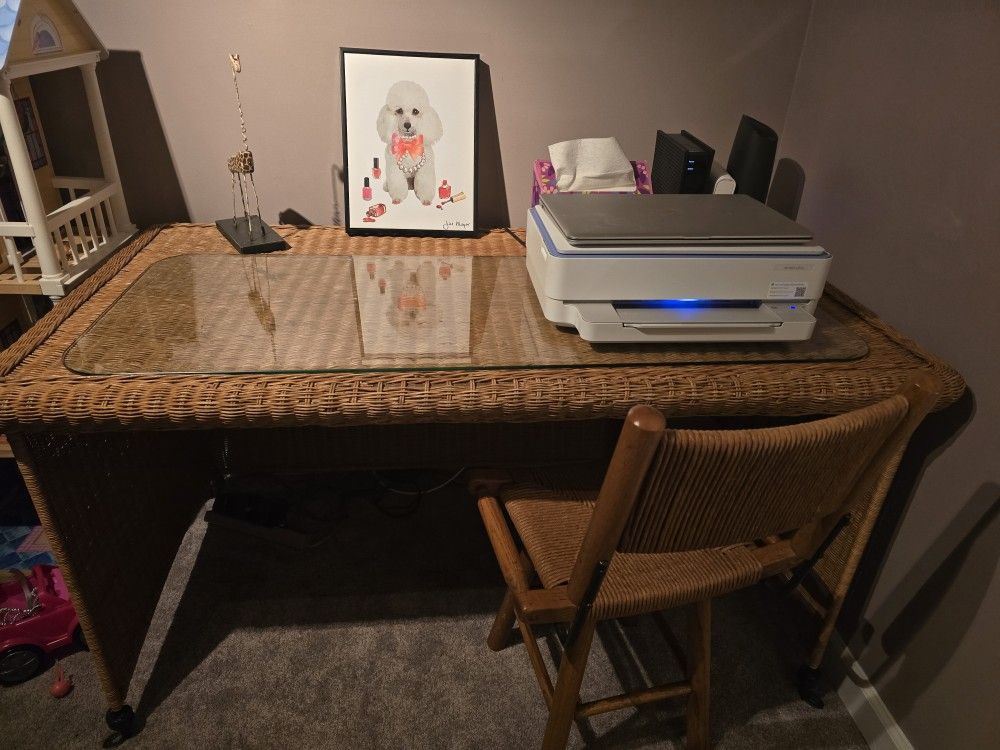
pixel 61 685
pixel 36 618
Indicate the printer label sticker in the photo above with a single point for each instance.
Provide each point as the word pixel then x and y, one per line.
pixel 787 290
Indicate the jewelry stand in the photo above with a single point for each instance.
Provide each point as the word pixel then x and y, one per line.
pixel 249 235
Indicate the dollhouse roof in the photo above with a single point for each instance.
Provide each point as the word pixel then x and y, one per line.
pixel 44 29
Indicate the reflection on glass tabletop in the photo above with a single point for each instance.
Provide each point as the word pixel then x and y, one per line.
pixel 259 314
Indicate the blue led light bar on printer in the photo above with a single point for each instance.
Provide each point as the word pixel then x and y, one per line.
pixel 691 304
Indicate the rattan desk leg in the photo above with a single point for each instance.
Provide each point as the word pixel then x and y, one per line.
pixel 114 508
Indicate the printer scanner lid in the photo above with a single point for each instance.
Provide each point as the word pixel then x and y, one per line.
pixel 670 219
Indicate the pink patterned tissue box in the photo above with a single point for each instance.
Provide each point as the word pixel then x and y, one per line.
pixel 544 179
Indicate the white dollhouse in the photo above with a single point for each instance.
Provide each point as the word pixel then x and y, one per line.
pixel 55 229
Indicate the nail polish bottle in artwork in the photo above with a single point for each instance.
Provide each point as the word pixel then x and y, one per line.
pixel 366 191
pixel 445 190
pixel 376 172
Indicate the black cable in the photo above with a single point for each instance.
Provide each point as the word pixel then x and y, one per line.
pixel 419 491
pixel 398 509
pixel 417 494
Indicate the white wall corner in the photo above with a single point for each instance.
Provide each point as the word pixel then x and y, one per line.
pixel 866 707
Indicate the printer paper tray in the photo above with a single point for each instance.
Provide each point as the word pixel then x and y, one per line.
pixel 607 322
pixel 698 317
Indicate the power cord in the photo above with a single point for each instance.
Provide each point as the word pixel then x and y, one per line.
pixel 416 494
pixel 389 488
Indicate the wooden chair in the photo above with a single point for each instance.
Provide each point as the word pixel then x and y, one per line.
pixel 681 517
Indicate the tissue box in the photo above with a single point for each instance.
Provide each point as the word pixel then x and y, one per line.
pixel 544 179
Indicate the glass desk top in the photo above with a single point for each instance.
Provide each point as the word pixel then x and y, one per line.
pixel 226 314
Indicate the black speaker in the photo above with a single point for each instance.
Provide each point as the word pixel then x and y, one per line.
pixel 681 163
pixel 752 158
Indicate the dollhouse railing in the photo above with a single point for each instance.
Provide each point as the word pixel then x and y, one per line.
pixel 83 232
pixel 14 261
pixel 77 186
pixel 85 226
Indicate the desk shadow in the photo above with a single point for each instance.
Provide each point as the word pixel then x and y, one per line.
pixel 935 434
pixel 434 564
pixel 378 565
pixel 937 600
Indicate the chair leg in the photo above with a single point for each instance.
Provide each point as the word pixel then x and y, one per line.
pixel 502 630
pixel 567 693
pixel 808 678
pixel 699 665
pixel 503 626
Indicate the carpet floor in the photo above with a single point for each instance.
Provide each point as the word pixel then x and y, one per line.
pixel 376 639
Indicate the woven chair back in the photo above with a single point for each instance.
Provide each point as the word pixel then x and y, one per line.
pixel 712 488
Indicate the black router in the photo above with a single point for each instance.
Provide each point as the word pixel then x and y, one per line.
pixel 681 163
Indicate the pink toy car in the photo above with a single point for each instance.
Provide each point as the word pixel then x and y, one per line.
pixel 36 618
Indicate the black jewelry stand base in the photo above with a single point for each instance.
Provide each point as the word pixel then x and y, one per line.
pixel 259 239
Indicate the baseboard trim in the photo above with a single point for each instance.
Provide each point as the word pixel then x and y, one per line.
pixel 872 717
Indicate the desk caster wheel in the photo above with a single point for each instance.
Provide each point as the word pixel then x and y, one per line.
pixel 121 723
pixel 808 679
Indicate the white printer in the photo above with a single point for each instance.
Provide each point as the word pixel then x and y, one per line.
pixel 669 268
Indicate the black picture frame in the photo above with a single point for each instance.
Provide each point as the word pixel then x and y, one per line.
pixel 353 173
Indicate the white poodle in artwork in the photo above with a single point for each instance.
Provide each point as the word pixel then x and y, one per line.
pixel 409 127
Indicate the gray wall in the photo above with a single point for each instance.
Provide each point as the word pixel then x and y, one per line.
pixel 558 70
pixel 894 118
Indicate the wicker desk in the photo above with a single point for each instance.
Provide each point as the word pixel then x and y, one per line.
pixel 118 463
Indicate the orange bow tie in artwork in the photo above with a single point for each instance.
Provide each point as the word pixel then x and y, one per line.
pixel 403 146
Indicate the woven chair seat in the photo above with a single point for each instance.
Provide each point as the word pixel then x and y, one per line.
pixel 552 521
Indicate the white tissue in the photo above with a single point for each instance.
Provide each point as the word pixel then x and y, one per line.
pixel 591 164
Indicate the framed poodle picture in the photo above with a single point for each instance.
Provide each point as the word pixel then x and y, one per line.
pixel 410 123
